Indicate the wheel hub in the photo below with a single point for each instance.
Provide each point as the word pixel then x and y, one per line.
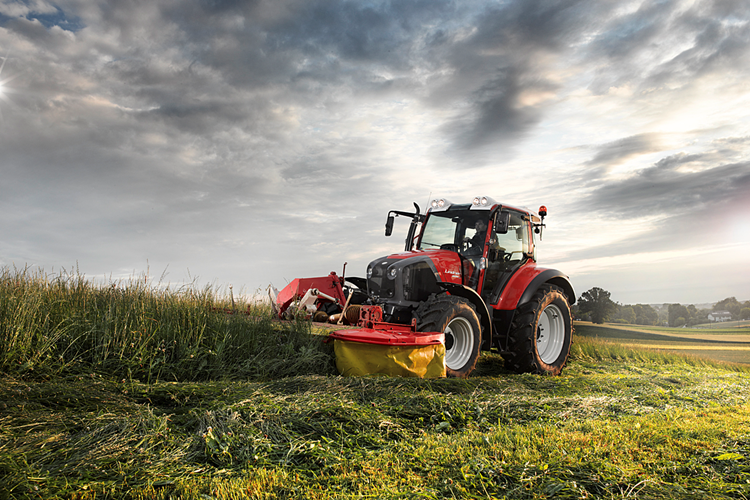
pixel 550 334
pixel 459 342
pixel 449 340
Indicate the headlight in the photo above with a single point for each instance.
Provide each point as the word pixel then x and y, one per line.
pixel 369 272
pixel 392 272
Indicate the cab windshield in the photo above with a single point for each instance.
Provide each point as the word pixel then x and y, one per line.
pixel 449 230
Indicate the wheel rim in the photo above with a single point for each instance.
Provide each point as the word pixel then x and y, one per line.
pixel 459 343
pixel 550 334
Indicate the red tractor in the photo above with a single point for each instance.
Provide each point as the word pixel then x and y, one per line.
pixel 469 270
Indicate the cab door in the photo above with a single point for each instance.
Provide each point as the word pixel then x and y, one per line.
pixel 505 253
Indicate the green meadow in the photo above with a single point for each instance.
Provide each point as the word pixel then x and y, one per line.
pixel 731 345
pixel 129 391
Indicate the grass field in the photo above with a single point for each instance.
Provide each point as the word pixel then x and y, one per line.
pixel 621 422
pixel 725 325
pixel 730 345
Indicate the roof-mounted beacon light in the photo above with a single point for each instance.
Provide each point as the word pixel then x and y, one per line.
pixel 539 227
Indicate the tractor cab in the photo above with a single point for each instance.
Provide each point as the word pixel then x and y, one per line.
pixel 492 241
pixel 479 255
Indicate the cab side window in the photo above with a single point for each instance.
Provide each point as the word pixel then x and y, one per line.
pixel 515 241
pixel 506 251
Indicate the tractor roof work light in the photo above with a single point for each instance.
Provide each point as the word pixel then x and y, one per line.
pixel 482 202
pixel 440 203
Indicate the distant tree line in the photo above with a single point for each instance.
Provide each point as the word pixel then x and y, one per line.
pixel 595 305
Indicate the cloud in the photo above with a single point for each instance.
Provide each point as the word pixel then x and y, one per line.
pixel 671 44
pixel 680 202
pixel 676 184
pixel 501 74
pixel 616 152
pixel 245 137
pixel 27 8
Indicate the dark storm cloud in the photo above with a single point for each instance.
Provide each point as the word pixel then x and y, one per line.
pixel 321 46
pixel 496 116
pixel 684 200
pixel 670 187
pixel 661 43
pixel 616 152
pixel 382 34
pixel 489 63
pixel 487 60
pixel 307 47
pixel 501 68
pixel 209 116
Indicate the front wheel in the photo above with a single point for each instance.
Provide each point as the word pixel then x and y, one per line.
pixel 540 335
pixel 457 318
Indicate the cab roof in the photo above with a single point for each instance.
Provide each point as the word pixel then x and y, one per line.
pixel 478 203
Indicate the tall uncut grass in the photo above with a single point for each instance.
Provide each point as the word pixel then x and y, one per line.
pixel 51 326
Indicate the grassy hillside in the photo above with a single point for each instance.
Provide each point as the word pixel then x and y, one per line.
pixel 621 422
pixel 730 345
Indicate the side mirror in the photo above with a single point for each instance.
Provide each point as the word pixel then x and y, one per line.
pixel 502 221
pixel 389 226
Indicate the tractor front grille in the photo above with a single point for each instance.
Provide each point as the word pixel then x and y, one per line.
pixel 378 284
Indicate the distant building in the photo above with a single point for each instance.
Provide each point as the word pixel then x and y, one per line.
pixel 719 316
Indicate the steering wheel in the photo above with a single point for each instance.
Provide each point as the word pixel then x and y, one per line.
pixel 507 257
pixel 465 245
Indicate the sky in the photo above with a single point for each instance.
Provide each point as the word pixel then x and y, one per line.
pixel 248 143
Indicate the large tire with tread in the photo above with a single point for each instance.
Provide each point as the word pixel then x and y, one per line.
pixel 541 333
pixel 458 319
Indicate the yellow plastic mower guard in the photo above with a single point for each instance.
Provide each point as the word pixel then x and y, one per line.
pixel 381 352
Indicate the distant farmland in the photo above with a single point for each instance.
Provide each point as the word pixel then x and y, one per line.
pixel 730 344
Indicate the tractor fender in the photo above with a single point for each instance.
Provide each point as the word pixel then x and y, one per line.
pixel 553 277
pixel 472 296
pixel 529 279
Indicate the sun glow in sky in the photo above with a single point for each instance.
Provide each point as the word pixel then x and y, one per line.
pixel 252 143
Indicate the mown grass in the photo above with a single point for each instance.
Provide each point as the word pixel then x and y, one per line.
pixel 606 429
pixel 619 423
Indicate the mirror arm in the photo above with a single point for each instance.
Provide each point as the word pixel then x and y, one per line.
pixel 416 218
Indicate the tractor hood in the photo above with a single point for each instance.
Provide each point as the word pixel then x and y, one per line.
pixel 445 264
pixel 410 277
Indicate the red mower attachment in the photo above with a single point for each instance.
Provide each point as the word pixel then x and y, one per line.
pixel 373 347
pixel 390 349
pixel 311 296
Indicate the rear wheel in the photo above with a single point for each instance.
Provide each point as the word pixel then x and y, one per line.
pixel 457 318
pixel 541 333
